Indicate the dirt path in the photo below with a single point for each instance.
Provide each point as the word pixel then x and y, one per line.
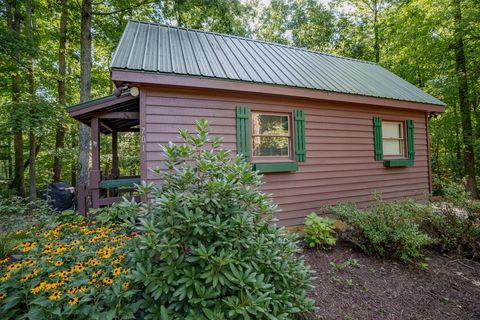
pixel 350 285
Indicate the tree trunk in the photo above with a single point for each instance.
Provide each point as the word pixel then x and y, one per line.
pixel 13 20
pixel 465 108
pixel 376 44
pixel 62 64
pixel 31 90
pixel 85 85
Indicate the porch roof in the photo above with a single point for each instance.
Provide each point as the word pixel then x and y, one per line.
pixel 115 113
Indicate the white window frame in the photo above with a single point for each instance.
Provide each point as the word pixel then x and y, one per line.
pixel 402 138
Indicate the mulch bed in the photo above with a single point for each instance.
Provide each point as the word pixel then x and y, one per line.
pixel 350 285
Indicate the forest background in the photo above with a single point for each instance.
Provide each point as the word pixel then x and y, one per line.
pixel 55 53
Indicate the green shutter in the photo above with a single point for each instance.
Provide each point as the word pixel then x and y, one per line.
pixel 243 131
pixel 299 136
pixel 410 140
pixel 377 138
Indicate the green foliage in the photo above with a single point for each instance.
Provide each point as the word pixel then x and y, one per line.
pixel 345 264
pixel 19 213
pixel 455 223
pixel 66 217
pixel 116 213
pixel 207 247
pixel 319 232
pixel 310 23
pixel 68 272
pixel 8 242
pixel 13 206
pixel 387 229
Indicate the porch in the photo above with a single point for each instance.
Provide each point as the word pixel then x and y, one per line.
pixel 110 117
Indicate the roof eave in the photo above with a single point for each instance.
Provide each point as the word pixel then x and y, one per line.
pixel 143 77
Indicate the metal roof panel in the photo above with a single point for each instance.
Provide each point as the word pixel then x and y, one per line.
pixel 165 49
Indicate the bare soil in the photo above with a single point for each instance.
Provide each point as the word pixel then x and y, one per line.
pixel 350 285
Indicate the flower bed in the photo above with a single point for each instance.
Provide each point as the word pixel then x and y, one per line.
pixel 70 270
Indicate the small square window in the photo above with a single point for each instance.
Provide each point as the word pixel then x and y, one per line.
pixel 393 139
pixel 271 135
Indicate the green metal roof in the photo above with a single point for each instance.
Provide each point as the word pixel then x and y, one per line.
pixel 89 103
pixel 153 47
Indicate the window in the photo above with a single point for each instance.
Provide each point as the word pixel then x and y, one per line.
pixel 393 139
pixel 271 135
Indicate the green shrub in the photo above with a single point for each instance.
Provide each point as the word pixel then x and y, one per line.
pixel 207 248
pixel 68 272
pixel 455 223
pixel 319 232
pixel 119 212
pixel 387 229
pixel 66 216
pixel 8 242
pixel 18 213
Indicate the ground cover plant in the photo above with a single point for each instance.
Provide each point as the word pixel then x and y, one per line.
pixel 68 271
pixel 207 248
pixel 386 229
pixel 319 231
pixel 18 213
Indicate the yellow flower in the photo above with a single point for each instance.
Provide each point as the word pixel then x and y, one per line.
pixel 82 248
pixel 36 271
pixel 96 273
pixel 3 261
pixel 117 271
pixel 36 290
pixel 79 268
pixel 93 262
pixel 3 295
pixel 55 296
pixel 73 301
pixel 58 263
pixel 14 266
pixel 72 290
pixel 52 274
pixel 107 281
pixel 82 289
pixel 25 278
pixel 28 262
pixel 125 285
pixel 5 277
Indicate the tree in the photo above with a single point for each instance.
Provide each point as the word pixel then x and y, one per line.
pixel 31 91
pixel 463 97
pixel 13 21
pixel 85 86
pixel 62 65
pixel 301 23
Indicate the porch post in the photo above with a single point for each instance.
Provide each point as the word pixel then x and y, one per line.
pixel 115 172
pixel 95 175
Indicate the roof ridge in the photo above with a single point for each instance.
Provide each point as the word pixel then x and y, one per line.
pixel 255 40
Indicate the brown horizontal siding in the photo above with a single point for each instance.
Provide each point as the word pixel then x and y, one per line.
pixel 340 165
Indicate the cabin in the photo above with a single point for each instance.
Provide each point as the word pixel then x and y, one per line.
pixel 322 129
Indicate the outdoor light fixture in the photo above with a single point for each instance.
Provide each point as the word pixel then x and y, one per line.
pixel 134 91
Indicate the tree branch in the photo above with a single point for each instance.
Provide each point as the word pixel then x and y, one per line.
pixel 122 10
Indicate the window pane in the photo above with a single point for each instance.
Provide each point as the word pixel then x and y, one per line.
pixel 270 124
pixel 392 147
pixel 391 130
pixel 270 146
